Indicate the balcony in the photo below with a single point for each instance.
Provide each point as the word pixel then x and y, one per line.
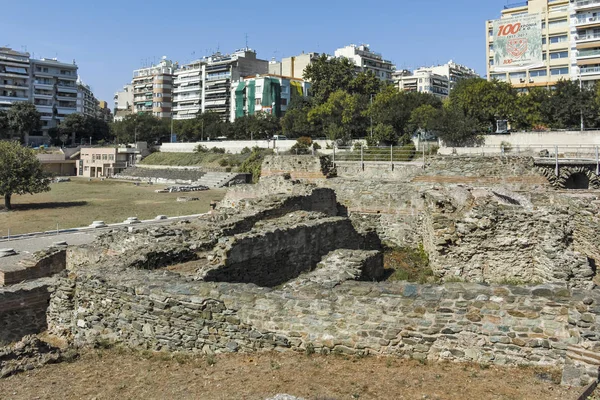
pixel 588 53
pixel 589 70
pixel 586 4
pixel 587 21
pixel 189 88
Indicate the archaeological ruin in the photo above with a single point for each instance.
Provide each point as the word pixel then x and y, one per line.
pixel 296 261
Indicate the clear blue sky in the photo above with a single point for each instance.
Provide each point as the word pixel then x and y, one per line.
pixel 109 39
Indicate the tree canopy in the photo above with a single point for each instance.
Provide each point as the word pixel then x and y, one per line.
pixel 24 119
pixel 20 172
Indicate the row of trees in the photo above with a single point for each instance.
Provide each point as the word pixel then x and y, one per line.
pixel 22 119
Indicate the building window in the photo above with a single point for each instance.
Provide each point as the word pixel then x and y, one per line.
pixel 559 54
pixel 257 101
pixel 104 157
pixel 539 72
pixel 111 157
pixel 560 22
pixel 284 102
pixel 558 39
pixel 518 75
pixel 560 71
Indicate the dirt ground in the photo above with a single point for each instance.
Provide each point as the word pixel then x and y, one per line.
pixel 79 202
pixel 120 374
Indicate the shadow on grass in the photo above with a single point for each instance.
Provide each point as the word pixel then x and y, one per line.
pixel 44 206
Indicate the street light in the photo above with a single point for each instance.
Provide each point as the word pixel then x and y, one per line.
pixel 581 98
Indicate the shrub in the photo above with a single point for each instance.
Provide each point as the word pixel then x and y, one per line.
pixel 223 162
pixel 246 150
pixel 201 149
pixel 507 146
pixel 316 146
pixel 217 150
pixel 406 152
pixel 302 145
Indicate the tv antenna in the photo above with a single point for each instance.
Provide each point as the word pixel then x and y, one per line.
pixel 246 41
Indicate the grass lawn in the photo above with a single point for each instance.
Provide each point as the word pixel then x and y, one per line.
pixel 79 202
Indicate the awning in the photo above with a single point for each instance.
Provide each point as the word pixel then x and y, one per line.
pixel 16 70
pixel 148 103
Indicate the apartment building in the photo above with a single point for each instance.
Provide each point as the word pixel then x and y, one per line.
pixel 267 93
pixel 54 90
pixel 294 66
pixel 104 112
pixel 15 78
pixel 422 80
pixel 219 71
pixel 585 32
pixel 367 60
pixel 87 104
pixel 153 89
pixel 453 72
pixel 123 102
pixel 557 41
pixel 187 90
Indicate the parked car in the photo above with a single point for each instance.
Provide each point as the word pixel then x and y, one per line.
pixel 279 137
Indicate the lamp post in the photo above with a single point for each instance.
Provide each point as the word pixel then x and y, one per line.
pixel 371 116
pixel 581 100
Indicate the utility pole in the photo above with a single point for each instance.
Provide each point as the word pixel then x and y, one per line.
pixel 371 113
pixel 581 100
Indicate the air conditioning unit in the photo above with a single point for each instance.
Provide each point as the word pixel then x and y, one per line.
pixel 530 80
pixel 522 80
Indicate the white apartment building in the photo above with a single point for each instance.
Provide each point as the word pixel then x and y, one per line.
pixel 454 72
pixel 87 104
pixel 123 102
pixel 153 88
pixel 205 85
pixel 424 81
pixel 267 93
pixel 292 66
pixel 559 44
pixel 15 78
pixel 585 40
pixel 54 90
pixel 187 90
pixel 367 60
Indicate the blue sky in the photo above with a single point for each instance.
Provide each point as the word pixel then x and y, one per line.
pixel 109 38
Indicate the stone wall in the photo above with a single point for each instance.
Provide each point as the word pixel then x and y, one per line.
pixel 23 309
pixel 162 175
pixel 40 265
pixel 298 167
pixel 273 253
pixel 460 322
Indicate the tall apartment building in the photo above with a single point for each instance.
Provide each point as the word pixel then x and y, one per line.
pixel 104 112
pixel 422 80
pixel 367 60
pixel 265 93
pixel 454 72
pixel 87 104
pixel 54 90
pixel 123 102
pixel 585 46
pixel 294 66
pixel 15 78
pixel 153 88
pixel 187 90
pixel 558 44
pixel 205 85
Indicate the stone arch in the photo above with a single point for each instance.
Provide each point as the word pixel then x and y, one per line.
pixel 577 177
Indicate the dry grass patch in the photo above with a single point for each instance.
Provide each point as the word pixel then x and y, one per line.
pixel 79 202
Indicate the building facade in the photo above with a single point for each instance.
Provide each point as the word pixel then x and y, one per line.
pixel 558 43
pixel 54 90
pixel 453 72
pixel 422 80
pixel 104 112
pixel 585 43
pixel 123 102
pixel 87 104
pixel 15 80
pixel 265 93
pixel 367 60
pixel 292 67
pixel 96 162
pixel 187 90
pixel 153 89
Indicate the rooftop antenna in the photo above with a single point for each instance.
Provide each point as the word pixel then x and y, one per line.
pixel 246 41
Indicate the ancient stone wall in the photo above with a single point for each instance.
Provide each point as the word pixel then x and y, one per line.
pixel 298 167
pixel 281 249
pixel 460 322
pixel 162 175
pixel 23 309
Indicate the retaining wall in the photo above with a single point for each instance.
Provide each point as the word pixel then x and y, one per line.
pixel 459 322
pixel 23 310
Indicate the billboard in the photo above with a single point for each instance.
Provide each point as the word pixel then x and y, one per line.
pixel 518 43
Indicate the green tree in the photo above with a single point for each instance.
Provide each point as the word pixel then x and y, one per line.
pixel 329 75
pixel 423 118
pixel 24 119
pixel 341 117
pixel 456 128
pixel 568 103
pixel 140 127
pixel 4 126
pixel 530 109
pixel 295 122
pixel 365 83
pixel 485 101
pixel 20 172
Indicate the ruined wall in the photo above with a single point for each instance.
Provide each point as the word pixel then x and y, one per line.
pixel 485 235
pixel 298 167
pixel 461 322
pixel 23 310
pixel 281 249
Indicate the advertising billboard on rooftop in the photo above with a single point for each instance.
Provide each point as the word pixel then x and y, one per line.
pixel 518 43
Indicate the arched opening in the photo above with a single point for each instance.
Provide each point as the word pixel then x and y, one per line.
pixel 578 180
